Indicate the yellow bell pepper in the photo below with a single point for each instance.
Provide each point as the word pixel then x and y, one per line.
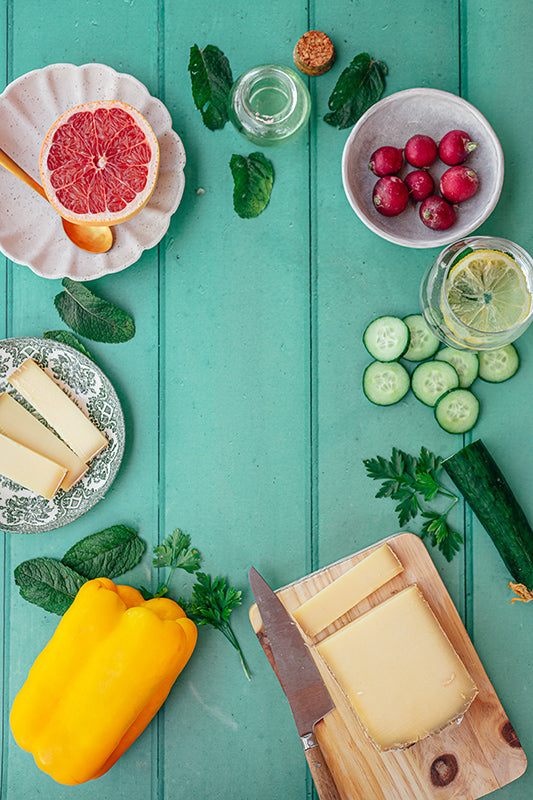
pixel 100 680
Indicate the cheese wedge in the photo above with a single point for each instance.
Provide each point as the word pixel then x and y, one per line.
pixel 19 424
pixel 399 671
pixel 29 469
pixel 56 407
pixel 347 591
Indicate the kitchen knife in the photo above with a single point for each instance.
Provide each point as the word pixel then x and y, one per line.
pixel 299 677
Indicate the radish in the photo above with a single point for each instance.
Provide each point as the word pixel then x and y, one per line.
pixel 386 160
pixel 390 196
pixel 420 184
pixel 421 150
pixel 458 183
pixel 437 213
pixel 455 147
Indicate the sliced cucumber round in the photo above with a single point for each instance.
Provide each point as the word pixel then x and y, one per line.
pixel 431 379
pixel 423 343
pixel 386 338
pixel 496 366
pixel 466 362
pixel 457 411
pixel 385 383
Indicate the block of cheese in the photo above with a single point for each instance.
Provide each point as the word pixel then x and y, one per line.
pixel 19 424
pixel 399 671
pixel 56 407
pixel 29 469
pixel 347 591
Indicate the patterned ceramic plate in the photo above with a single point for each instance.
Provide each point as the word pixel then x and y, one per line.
pixel 22 511
pixel 28 107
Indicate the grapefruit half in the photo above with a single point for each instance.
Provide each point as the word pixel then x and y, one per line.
pixel 99 163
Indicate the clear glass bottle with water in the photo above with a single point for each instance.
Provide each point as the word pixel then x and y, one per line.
pixel 269 104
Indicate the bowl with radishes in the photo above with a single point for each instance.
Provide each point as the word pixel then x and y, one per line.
pixel 422 168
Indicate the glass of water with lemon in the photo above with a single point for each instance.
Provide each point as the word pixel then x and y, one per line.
pixel 478 295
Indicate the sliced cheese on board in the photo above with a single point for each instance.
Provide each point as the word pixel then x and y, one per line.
pixel 29 469
pixel 56 407
pixel 347 591
pixel 17 423
pixel 399 671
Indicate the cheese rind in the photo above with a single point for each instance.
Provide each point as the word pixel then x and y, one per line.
pixel 399 670
pixel 17 423
pixel 345 592
pixel 61 413
pixel 29 469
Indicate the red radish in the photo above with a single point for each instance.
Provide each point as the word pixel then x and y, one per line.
pixel 390 195
pixel 458 183
pixel 420 184
pixel 455 147
pixel 437 213
pixel 421 150
pixel 386 160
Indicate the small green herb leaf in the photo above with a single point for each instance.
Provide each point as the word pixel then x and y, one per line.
pixel 359 86
pixel 106 554
pixel 91 316
pixel 211 81
pixel 48 583
pixel 66 337
pixel 176 552
pixel 253 178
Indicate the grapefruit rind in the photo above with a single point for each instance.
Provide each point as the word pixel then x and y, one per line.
pixel 105 173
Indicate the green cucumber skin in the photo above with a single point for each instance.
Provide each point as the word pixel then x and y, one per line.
pixel 482 484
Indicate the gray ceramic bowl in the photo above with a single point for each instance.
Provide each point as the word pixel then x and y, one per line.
pixel 392 121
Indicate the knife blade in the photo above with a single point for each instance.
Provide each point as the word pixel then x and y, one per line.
pixel 299 677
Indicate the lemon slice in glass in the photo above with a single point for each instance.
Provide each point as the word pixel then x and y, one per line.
pixel 487 291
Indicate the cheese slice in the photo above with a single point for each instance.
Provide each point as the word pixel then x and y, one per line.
pixel 399 671
pixel 19 424
pixel 347 591
pixel 29 469
pixel 56 407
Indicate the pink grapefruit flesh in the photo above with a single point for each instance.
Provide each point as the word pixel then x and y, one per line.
pixel 99 163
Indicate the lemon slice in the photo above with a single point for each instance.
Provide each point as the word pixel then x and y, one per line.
pixel 487 291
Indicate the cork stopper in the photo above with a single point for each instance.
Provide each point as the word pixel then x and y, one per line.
pixel 314 53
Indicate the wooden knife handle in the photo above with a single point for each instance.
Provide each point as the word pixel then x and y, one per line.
pixel 321 775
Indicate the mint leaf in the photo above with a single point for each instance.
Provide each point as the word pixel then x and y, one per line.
pixel 211 81
pixel 48 583
pixel 65 337
pixel 106 554
pixel 253 178
pixel 358 87
pixel 91 316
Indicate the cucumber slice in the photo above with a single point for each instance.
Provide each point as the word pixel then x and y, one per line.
pixel 386 338
pixel 457 411
pixel 423 343
pixel 466 362
pixel 496 366
pixel 431 379
pixel 385 383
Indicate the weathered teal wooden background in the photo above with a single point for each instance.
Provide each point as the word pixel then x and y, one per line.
pixel 246 424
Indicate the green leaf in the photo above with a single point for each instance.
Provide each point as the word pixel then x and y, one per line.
pixel 106 554
pixel 91 316
pixel 211 81
pixel 48 583
pixel 359 86
pixel 176 552
pixel 253 178
pixel 66 337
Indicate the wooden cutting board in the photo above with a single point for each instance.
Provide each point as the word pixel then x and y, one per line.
pixel 466 760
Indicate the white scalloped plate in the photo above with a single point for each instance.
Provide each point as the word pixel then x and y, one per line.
pixel 31 232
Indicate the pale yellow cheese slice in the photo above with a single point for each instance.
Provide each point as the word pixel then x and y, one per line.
pixel 19 424
pixel 345 592
pixel 29 469
pixel 399 671
pixel 56 407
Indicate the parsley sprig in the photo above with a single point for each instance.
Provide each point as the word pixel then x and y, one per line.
pixel 410 480
pixel 175 553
